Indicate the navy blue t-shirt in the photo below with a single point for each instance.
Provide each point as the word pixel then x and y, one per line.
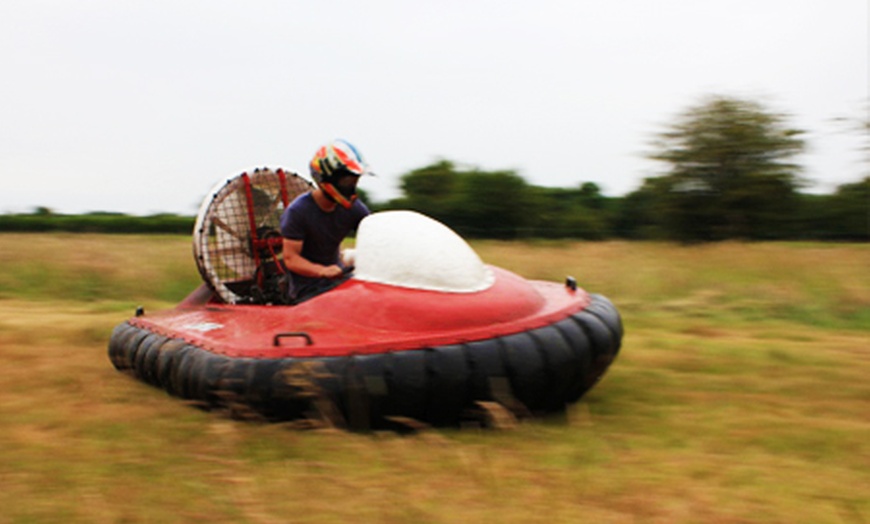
pixel 321 232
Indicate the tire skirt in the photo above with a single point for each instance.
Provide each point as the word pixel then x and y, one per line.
pixel 538 371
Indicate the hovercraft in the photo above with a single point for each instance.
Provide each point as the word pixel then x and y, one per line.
pixel 421 330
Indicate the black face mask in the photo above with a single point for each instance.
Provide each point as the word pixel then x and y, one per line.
pixel 347 185
pixel 341 187
pixel 345 182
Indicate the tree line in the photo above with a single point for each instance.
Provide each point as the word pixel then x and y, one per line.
pixel 730 174
pixel 44 220
pixel 501 205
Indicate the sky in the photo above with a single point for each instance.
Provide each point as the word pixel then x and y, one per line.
pixel 142 107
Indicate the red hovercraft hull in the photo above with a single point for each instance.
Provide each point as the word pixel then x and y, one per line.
pixel 424 330
pixel 378 353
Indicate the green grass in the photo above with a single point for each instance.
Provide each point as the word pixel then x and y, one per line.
pixel 740 395
pixel 92 268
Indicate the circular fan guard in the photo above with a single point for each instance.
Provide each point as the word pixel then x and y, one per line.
pixel 236 239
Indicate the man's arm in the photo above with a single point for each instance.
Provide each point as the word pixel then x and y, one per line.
pixel 295 262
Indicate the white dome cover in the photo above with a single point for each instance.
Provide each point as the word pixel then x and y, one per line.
pixel 407 249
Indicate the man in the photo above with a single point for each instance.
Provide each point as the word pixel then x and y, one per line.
pixel 315 223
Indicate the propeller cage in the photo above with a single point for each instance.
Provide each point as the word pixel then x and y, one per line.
pixel 236 239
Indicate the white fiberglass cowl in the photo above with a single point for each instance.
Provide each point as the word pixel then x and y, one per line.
pixel 407 249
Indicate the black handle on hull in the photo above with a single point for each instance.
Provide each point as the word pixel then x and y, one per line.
pixel 277 340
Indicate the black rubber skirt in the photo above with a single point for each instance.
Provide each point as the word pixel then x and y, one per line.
pixel 534 372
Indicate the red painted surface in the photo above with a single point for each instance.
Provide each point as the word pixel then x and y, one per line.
pixel 361 317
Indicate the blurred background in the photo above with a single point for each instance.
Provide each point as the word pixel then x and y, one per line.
pixel 140 108
pixel 740 393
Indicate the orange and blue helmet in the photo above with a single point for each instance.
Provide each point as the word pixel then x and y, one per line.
pixel 332 164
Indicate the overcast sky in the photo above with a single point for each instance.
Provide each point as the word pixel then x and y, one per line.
pixel 142 106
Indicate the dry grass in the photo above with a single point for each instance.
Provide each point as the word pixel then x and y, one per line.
pixel 818 284
pixel 726 405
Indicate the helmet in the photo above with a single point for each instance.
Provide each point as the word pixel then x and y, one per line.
pixel 334 161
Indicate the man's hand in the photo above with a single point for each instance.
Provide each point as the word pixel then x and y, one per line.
pixel 295 262
pixel 331 271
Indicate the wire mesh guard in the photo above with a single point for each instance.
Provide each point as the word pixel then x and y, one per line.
pixel 237 229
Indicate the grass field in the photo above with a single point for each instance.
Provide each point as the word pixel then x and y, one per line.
pixel 741 395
